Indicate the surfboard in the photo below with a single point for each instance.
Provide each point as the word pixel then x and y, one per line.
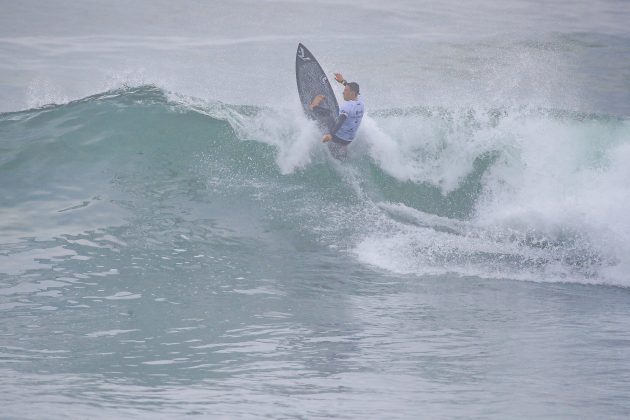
pixel 312 81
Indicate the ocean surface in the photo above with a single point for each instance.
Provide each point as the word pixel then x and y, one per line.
pixel 176 241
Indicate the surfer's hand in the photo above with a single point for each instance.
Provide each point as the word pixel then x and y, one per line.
pixel 339 77
pixel 327 138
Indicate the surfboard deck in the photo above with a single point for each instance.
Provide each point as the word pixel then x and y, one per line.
pixel 312 81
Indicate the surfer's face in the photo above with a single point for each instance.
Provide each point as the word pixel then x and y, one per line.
pixel 349 94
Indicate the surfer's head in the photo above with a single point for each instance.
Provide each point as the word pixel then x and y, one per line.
pixel 351 91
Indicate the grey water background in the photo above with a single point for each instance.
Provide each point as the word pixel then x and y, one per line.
pixel 175 241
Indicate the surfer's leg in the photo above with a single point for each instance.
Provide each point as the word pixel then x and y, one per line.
pixel 316 101
pixel 338 151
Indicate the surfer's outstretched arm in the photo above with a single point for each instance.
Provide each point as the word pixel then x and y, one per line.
pixel 339 78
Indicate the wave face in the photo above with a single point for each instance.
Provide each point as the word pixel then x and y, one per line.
pixel 529 194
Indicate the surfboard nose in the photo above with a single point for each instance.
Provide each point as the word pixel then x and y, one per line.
pixel 303 53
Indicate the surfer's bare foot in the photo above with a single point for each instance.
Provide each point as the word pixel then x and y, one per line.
pixel 326 138
pixel 316 101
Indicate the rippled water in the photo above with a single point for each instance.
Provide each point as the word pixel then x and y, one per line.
pixel 175 241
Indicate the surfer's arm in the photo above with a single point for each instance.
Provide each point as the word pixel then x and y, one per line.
pixel 338 124
pixel 333 131
pixel 339 78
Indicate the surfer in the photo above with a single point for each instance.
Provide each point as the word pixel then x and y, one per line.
pixel 345 127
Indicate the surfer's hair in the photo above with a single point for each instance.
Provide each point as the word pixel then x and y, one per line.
pixel 354 86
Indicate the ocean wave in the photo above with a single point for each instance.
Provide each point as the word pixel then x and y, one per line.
pixel 531 194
